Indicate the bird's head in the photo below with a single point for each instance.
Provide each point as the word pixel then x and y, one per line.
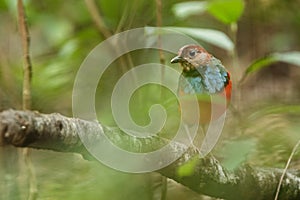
pixel 191 57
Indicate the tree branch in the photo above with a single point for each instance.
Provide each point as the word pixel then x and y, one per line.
pixel 59 133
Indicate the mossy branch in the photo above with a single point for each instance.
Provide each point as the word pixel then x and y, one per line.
pixel 60 133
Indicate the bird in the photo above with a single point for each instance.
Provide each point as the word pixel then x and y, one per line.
pixel 205 76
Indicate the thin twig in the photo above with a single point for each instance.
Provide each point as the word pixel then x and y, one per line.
pixel 162 59
pixel 125 62
pixel 159 24
pixel 286 168
pixel 124 19
pixel 164 187
pixel 101 26
pixel 27 71
pixel 27 67
pixel 98 20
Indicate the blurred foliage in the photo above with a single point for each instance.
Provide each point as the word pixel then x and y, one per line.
pixel 262 124
pixel 235 152
pixel 71 177
pixel 210 36
pixel 227 12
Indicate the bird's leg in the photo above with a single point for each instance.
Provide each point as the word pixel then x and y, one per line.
pixel 203 129
pixel 198 143
pixel 190 138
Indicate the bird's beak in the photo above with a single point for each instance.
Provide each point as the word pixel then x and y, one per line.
pixel 177 59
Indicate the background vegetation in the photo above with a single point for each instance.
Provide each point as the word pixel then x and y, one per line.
pixel 263 122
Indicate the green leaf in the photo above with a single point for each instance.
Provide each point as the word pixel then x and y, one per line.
pixel 289 57
pixel 211 36
pixel 259 64
pixel 188 168
pixel 235 152
pixel 227 11
pixel 186 9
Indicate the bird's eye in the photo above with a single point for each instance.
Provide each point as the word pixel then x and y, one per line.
pixel 192 53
